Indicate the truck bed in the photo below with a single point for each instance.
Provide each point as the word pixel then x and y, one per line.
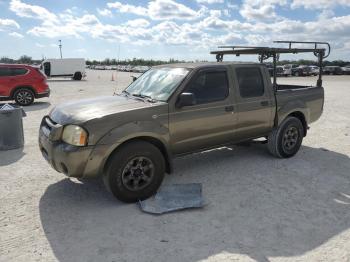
pixel 307 99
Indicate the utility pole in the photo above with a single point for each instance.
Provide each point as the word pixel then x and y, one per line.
pixel 60 46
pixel 118 53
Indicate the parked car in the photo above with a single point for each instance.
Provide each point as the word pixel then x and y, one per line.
pixel 100 67
pixel 67 67
pixel 314 70
pixel 279 71
pixel 140 69
pixel 22 83
pixel 332 70
pixel 346 70
pixel 287 69
pixel 301 71
pixel 130 139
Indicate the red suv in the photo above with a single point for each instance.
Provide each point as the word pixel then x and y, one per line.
pixel 22 83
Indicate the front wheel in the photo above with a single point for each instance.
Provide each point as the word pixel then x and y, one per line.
pixel 135 171
pixel 77 76
pixel 24 97
pixel 285 140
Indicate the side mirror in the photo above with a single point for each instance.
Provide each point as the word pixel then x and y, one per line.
pixel 133 78
pixel 186 99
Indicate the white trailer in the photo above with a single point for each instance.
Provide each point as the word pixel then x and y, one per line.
pixel 65 67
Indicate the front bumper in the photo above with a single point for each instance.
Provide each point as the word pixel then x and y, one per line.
pixel 73 161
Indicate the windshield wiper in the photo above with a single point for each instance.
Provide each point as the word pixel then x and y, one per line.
pixel 149 98
pixel 125 92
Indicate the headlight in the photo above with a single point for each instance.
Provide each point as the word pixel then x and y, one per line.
pixel 75 135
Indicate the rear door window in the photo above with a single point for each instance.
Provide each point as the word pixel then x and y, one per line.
pixel 18 71
pixel 5 71
pixel 209 86
pixel 250 82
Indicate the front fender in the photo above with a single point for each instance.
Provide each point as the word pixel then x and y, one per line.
pixel 134 129
pixel 117 136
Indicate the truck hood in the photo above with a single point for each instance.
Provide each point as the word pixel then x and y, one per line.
pixel 80 111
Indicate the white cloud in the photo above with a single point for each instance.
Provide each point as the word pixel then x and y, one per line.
pixel 210 1
pixel 138 23
pixel 126 8
pixel 104 12
pixel 16 35
pixel 39 45
pixel 8 24
pixel 31 11
pixel 260 9
pixel 319 4
pixel 178 25
pixel 159 10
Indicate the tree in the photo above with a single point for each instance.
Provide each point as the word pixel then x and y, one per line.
pixel 6 60
pixel 24 59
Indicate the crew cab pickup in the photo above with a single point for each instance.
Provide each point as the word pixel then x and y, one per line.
pixel 131 138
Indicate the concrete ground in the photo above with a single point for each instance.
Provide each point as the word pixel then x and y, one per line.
pixel 259 208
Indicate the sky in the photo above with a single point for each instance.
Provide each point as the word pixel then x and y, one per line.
pixel 163 29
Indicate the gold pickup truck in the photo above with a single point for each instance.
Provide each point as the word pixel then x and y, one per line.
pixel 130 139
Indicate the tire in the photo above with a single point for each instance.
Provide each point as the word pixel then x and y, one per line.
pixel 24 96
pixel 125 167
pixel 77 76
pixel 285 140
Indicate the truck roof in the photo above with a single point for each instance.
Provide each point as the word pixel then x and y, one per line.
pixel 204 64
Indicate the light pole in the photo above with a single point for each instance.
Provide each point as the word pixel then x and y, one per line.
pixel 60 46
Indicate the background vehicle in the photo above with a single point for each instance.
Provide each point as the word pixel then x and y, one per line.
pixel 314 70
pixel 301 71
pixel 287 69
pixel 280 71
pixel 66 67
pixel 346 70
pixel 22 83
pixel 332 70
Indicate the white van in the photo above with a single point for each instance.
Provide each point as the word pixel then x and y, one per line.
pixel 66 67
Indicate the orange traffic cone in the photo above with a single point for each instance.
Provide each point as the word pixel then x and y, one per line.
pixel 112 79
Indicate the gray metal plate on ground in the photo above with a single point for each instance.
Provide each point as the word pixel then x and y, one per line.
pixel 174 197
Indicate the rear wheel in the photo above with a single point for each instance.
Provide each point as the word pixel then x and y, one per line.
pixel 285 141
pixel 77 76
pixel 24 96
pixel 135 171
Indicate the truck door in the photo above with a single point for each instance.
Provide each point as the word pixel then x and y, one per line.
pixel 210 121
pixel 255 102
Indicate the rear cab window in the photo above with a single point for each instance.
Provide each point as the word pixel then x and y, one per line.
pixel 250 82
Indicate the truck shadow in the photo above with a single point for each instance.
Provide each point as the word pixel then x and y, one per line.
pixel 258 206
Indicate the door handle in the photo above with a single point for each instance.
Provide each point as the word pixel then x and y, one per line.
pixel 264 103
pixel 229 108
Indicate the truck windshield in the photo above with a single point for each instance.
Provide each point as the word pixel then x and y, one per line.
pixel 158 83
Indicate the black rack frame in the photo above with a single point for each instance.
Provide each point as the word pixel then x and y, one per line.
pixel 274 52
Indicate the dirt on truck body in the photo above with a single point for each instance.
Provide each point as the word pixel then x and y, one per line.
pixel 130 139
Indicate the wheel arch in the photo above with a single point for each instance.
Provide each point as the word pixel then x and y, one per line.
pixel 24 87
pixel 152 140
pixel 299 115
